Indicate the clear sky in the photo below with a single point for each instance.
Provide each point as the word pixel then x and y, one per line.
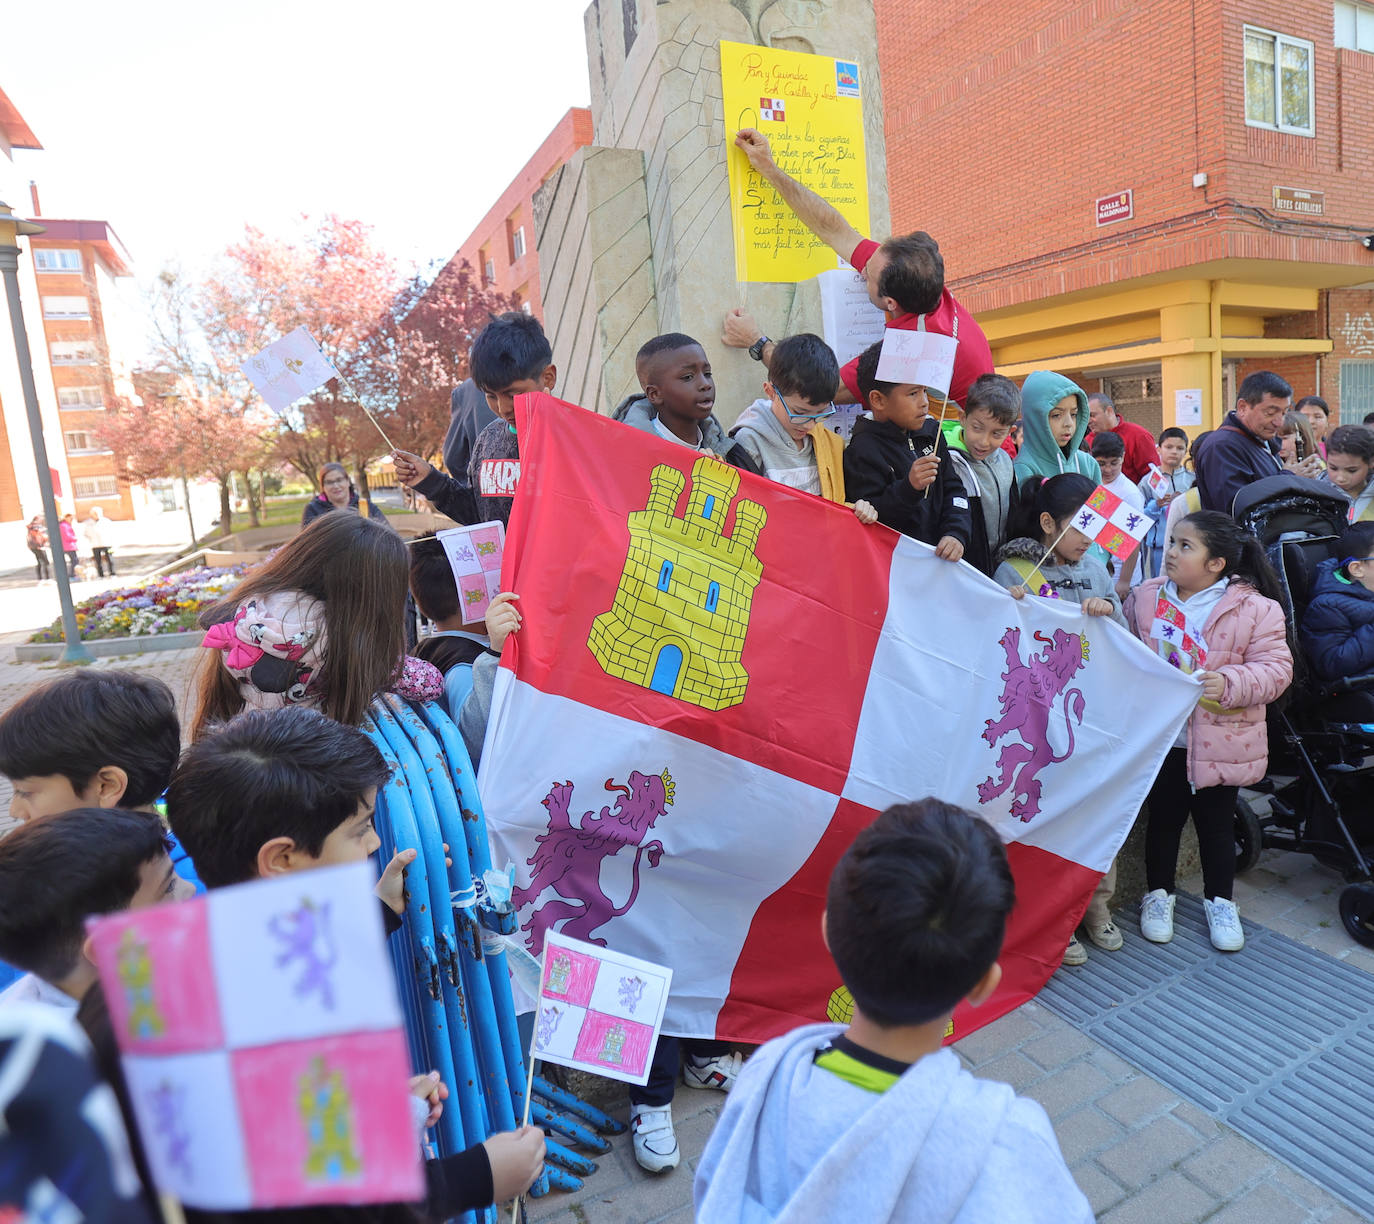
pixel 180 122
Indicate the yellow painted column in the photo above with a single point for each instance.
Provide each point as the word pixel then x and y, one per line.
pixel 1190 398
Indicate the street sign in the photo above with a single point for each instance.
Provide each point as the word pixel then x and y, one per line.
pixel 1298 200
pixel 1118 207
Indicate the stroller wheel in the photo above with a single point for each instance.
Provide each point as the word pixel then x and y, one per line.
pixel 1357 912
pixel 1249 836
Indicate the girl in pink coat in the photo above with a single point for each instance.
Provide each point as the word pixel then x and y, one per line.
pixel 1214 613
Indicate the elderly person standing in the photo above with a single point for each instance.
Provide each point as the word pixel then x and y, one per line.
pixel 336 493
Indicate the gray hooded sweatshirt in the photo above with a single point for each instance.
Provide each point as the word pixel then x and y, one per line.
pixel 760 432
pixel 796 1144
pixel 1085 579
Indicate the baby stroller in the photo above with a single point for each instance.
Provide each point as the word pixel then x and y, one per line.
pixel 1322 736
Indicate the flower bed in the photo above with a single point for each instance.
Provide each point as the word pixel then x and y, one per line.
pixel 161 605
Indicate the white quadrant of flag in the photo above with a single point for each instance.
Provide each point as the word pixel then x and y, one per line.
pixel 688 874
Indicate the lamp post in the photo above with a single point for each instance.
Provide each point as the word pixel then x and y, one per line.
pixel 11 227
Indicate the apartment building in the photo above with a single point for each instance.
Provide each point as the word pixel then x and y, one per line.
pixel 20 499
pixel 78 264
pixel 501 249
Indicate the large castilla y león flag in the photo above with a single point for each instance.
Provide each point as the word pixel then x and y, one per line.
pixel 719 681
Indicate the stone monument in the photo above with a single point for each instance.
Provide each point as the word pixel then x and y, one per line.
pixel 634 232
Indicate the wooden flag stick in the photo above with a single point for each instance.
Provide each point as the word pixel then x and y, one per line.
pixel 529 1078
pixel 1035 569
pixel 939 433
pixel 343 382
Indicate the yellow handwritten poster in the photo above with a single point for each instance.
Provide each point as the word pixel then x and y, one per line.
pixel 811 109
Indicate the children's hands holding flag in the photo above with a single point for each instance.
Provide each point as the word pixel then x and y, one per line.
pixel 410 469
pixel 923 472
pixel 949 549
pixel 503 619
pixel 516 1158
pixel 1097 606
pixel 865 513
pixel 1213 685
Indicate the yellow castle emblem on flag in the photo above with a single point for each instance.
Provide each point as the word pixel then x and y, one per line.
pixel 681 612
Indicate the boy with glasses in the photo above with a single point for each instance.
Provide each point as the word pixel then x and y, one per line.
pixel 785 431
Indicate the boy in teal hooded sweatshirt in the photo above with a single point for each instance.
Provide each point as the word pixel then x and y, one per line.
pixel 1054 420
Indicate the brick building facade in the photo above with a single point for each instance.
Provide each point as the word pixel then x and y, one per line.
pixel 77 264
pixel 1153 196
pixel 501 250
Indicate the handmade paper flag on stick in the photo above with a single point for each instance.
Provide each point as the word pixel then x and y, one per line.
pixel 262 1044
pixel 1113 523
pixel 599 1011
pixel 474 555
pixel 295 366
pixel 291 367
pixel 921 357
pixel 1187 649
pixel 1158 483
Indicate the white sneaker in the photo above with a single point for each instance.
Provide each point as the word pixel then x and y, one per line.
pixel 1223 924
pixel 1075 953
pixel 718 1071
pixel 654 1140
pixel 1157 916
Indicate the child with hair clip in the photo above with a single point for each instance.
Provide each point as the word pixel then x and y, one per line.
pixel 1217 577
pixel 322 623
pixel 1050 558
pixel 1048 555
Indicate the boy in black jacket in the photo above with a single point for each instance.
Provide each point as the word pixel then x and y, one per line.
pixel 897 461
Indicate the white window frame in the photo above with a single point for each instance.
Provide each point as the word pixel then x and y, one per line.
pixel 517 242
pixel 57 254
pixel 489 271
pixel 72 306
pixel 1279 41
pixel 99 485
pixel 1353 23
pixel 88 443
pixel 92 359
pixel 89 399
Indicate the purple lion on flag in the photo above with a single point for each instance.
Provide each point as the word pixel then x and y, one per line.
pixel 1027 700
pixel 568 857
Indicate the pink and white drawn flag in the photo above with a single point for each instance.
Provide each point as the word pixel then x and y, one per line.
pixel 1113 523
pixel 289 368
pixel 599 1010
pixel 262 1043
pixel 1183 642
pixel 732 679
pixel 474 556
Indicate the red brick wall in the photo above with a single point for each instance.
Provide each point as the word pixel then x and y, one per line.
pixel 1346 316
pixel 1006 122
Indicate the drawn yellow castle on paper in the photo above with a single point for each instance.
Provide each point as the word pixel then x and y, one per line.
pixel 327 1113
pixel 135 972
pixel 682 608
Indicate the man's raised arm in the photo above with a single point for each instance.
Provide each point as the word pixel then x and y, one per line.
pixel 821 218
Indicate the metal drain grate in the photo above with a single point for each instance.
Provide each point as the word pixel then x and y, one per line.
pixel 1276 1041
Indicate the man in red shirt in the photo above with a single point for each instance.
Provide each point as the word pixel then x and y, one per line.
pixel 1141 450
pixel 905 277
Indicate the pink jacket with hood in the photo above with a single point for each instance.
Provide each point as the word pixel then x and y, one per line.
pixel 1228 743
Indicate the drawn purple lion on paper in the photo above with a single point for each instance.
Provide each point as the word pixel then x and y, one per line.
pixel 568 857
pixel 1027 700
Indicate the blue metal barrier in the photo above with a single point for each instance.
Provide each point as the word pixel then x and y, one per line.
pixel 452 975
